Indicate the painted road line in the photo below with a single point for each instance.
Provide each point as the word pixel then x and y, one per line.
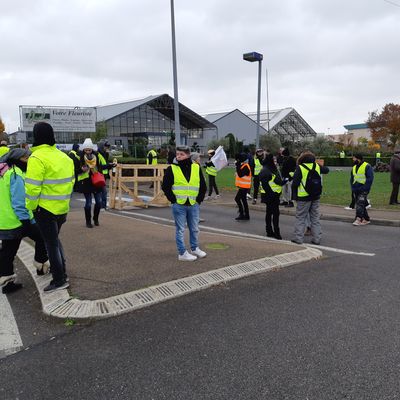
pixel 10 339
pixel 249 235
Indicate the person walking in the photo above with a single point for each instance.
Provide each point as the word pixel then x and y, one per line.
pixel 307 189
pixel 212 173
pixel 89 165
pixel 16 221
pixel 287 171
pixel 76 159
pixel 243 183
pixel 49 183
pixel 185 187
pixel 259 156
pixel 395 176
pixel 271 189
pixel 106 165
pixel 3 148
pixel 361 179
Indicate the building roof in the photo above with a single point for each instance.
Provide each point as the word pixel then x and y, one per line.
pixel 356 126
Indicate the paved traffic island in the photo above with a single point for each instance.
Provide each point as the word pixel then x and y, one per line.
pixel 126 264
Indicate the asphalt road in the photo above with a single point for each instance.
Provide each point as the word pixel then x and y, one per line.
pixel 319 330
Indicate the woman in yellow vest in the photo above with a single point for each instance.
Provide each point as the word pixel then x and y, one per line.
pixel 258 159
pixel 16 221
pixel 243 183
pixel 271 189
pixel 211 171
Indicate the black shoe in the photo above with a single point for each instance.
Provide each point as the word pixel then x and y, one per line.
pixel 53 286
pixel 283 203
pixel 270 234
pixel 315 242
pixel 40 272
pixel 246 218
pixel 96 222
pixel 278 236
pixel 89 225
pixel 290 204
pixel 11 287
pixel 239 218
pixel 295 241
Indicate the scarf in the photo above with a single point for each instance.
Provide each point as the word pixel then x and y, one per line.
pixel 92 162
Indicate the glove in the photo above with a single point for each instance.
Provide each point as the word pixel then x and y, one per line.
pixel 26 223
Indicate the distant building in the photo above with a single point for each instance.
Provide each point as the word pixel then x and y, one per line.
pixel 17 137
pixel 355 133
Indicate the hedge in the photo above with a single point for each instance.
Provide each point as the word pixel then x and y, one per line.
pixel 348 161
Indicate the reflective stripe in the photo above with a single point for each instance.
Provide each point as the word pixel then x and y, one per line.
pixel 244 181
pixel 185 197
pixel 58 181
pixel 185 188
pixel 257 166
pixel 49 197
pixel 33 181
pixel 359 175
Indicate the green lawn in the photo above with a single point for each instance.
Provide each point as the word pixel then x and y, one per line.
pixel 336 187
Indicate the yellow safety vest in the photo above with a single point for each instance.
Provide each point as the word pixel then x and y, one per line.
pixel 3 150
pixel 274 187
pixel 257 167
pixel 359 175
pixel 103 162
pixel 244 182
pixel 154 160
pixel 8 218
pixel 75 154
pixel 184 190
pixel 378 155
pixel 211 171
pixel 301 191
pixel 49 179
pixel 342 154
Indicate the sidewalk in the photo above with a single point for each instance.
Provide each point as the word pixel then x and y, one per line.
pixel 328 212
pixel 127 263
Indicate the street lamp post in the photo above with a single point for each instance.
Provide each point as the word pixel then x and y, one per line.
pixel 251 57
pixel 268 119
pixel 175 72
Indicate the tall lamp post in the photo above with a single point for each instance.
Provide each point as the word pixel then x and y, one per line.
pixel 251 57
pixel 176 102
pixel 268 118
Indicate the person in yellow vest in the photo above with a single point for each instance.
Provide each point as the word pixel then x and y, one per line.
pixel 75 157
pixel 3 148
pixel 243 183
pixel 259 156
pixel 361 179
pixel 16 221
pixel 151 159
pixel 106 165
pixel 49 183
pixel 307 189
pixel 377 157
pixel 185 187
pixel 212 173
pixel 271 189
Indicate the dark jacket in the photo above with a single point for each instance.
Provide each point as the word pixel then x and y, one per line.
pixel 242 172
pixel 168 181
pixel 85 185
pixel 298 176
pixel 288 165
pixel 265 176
pixel 359 187
pixel 395 168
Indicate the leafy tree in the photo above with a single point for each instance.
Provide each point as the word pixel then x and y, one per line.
pixel 101 132
pixel 270 142
pixel 171 140
pixel 213 144
pixel 385 126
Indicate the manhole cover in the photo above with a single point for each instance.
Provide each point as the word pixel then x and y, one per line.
pixel 217 246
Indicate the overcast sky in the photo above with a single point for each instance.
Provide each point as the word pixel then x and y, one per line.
pixel 333 61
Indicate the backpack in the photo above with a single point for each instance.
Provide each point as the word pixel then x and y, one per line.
pixel 313 184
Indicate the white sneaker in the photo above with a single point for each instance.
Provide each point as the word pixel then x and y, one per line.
pixel 42 268
pixel 357 222
pixel 365 222
pixel 217 196
pixel 248 196
pixel 207 198
pixel 369 205
pixel 186 256
pixel 4 280
pixel 348 208
pixel 199 253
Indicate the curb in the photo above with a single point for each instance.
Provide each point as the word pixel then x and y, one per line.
pixel 60 304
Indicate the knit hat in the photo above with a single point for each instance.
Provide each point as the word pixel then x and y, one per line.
pixel 87 144
pixel 14 155
pixel 43 134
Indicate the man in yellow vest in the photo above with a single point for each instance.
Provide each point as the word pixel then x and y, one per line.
pixel 3 148
pixel 49 183
pixel 76 158
pixel 361 179
pixel 212 172
pixel 307 189
pixel 243 183
pixel 151 159
pixel 185 187
pixel 377 157
pixel 16 221
pixel 259 156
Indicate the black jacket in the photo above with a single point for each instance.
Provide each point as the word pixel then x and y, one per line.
pixel 297 179
pixel 265 176
pixel 288 165
pixel 168 181
pixel 85 185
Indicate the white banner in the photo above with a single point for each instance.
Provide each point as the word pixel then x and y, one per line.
pixel 61 119
pixel 219 158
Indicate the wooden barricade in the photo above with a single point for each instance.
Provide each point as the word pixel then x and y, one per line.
pixel 121 186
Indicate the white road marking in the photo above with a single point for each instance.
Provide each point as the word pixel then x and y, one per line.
pixel 249 235
pixel 10 339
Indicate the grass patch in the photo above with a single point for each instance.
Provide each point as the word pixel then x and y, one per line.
pixel 336 187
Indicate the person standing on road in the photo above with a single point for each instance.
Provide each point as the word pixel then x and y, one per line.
pixel 287 172
pixel 185 187
pixel 259 157
pixel 89 165
pixel 76 158
pixel 16 221
pixel 212 172
pixel 271 189
pixel 106 165
pixel 243 183
pixel 49 183
pixel 307 189
pixel 361 179
pixel 395 176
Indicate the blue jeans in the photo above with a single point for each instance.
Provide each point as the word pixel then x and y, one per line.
pixel 183 214
pixel 104 197
pixel 97 199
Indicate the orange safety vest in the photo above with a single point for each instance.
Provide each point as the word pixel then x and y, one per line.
pixel 244 181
